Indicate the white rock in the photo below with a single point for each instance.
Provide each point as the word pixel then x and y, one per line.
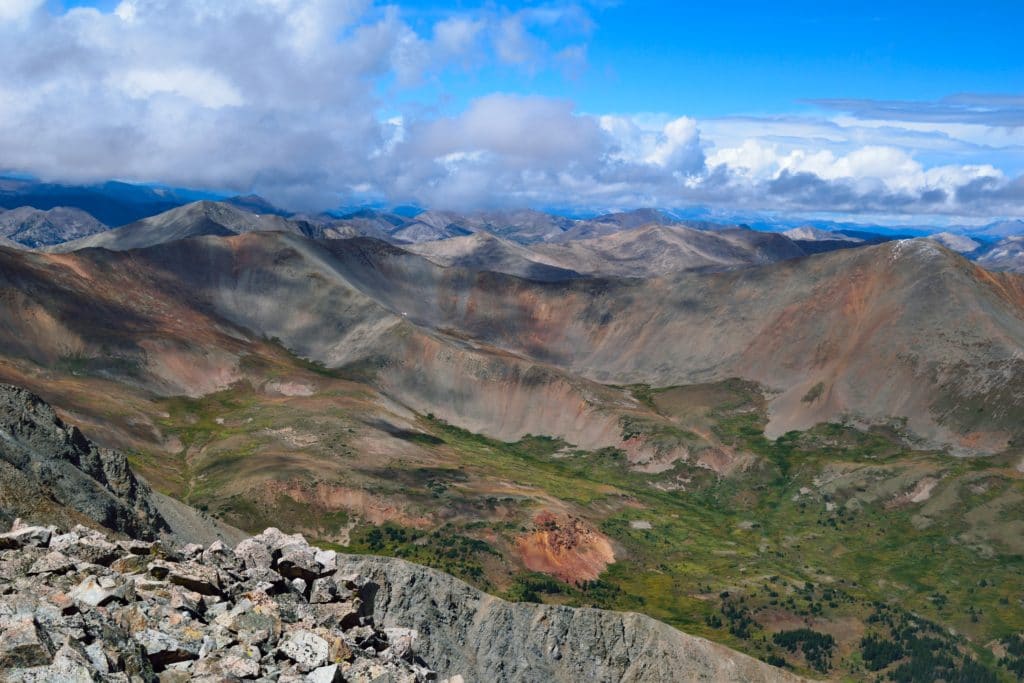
pixel 98 591
pixel 308 650
pixel 328 560
pixel 325 674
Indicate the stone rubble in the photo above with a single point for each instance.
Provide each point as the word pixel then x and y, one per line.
pixel 78 606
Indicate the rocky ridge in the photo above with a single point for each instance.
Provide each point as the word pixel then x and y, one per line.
pixel 471 636
pixel 50 473
pixel 77 606
pixel 1005 255
pixel 43 460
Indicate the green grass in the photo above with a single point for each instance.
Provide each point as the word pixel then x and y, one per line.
pixel 870 554
pixel 529 463
pixel 445 548
pixel 816 508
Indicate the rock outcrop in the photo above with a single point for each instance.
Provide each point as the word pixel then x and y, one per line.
pixel 50 473
pixel 469 634
pixel 46 465
pixel 77 606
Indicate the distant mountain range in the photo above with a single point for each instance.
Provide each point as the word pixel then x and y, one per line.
pixel 111 203
pixel 67 217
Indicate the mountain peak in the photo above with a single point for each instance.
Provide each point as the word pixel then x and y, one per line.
pixel 812 234
pixel 918 249
pixel 32 227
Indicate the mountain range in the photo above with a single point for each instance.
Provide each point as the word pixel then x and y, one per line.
pixel 789 443
pixel 792 324
pixel 117 204
pixel 766 299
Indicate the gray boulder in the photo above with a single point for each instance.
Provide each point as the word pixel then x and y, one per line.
pixel 189 614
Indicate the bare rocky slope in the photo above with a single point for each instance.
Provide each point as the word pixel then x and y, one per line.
pixel 958 243
pixel 10 244
pixel 650 251
pixel 483 251
pixel 524 227
pixel 905 330
pixel 1005 255
pixel 78 607
pixel 659 250
pixel 194 312
pixel 809 233
pixel 191 220
pixel 47 464
pixel 611 223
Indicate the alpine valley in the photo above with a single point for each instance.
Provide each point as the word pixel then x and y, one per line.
pixel 806 446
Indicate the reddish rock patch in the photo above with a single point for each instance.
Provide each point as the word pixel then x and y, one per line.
pixel 566 547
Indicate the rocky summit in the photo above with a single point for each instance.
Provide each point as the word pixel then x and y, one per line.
pixel 77 606
pixel 81 606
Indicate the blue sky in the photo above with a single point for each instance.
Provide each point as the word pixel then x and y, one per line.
pixel 716 59
pixel 899 110
pixel 765 57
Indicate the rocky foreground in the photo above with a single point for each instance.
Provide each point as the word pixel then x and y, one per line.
pixel 77 606
pixel 81 606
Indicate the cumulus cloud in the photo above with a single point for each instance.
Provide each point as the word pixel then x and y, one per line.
pixel 205 88
pixel 314 103
pixel 678 147
pixel 503 148
pixel 521 130
pixel 286 97
pixel 456 36
pixel 851 165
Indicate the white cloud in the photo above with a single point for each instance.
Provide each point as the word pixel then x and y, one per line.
pixel 312 101
pixel 278 96
pixel 673 144
pixel 514 44
pixel 205 88
pixel 125 10
pixel 520 129
pixel 519 36
pixel 678 147
pixel 18 10
pixel 751 158
pixel 865 166
pixel 456 36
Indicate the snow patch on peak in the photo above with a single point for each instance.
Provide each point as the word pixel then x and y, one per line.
pixel 915 248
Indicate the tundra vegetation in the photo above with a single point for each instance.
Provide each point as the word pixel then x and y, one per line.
pixel 834 551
